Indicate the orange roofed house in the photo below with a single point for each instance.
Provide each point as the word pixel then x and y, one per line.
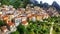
pixel 45 16
pixel 8 17
pixel 32 17
pixel 39 17
pixel 5 30
pixel 24 18
pixel 5 18
pixel 11 26
pixel 29 16
pixel 25 23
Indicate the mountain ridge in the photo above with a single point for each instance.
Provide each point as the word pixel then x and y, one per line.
pixel 54 4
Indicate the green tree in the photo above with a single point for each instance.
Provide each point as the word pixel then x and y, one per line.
pixel 2 23
pixel 15 3
pixel 16 32
pixel 21 29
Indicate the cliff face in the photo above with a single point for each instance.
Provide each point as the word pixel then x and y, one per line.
pixel 45 5
pixel 56 5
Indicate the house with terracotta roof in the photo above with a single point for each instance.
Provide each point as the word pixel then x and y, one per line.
pixel 8 17
pixel 11 26
pixel 55 14
pixel 39 17
pixel 24 18
pixel 29 16
pixel 25 23
pixel 4 10
pixel 5 17
pixel 45 16
pixel 4 30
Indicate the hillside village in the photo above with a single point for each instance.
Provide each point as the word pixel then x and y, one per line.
pixel 13 17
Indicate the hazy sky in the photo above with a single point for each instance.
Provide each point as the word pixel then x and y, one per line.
pixel 50 1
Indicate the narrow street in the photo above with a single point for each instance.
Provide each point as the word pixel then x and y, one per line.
pixel 51 29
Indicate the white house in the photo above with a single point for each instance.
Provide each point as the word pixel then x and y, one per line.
pixel 24 18
pixel 17 21
pixel 33 17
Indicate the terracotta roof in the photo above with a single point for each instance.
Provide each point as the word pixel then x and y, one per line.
pixel 3 27
pixel 30 16
pixel 5 17
pixel 24 22
pixel 0 14
pixel 20 16
pixel 10 23
pixel 33 14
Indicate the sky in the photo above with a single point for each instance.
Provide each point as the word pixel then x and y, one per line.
pixel 49 1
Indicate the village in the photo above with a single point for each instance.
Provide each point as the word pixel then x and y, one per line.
pixel 13 17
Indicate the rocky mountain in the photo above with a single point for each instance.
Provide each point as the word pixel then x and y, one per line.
pixel 46 5
pixel 56 5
